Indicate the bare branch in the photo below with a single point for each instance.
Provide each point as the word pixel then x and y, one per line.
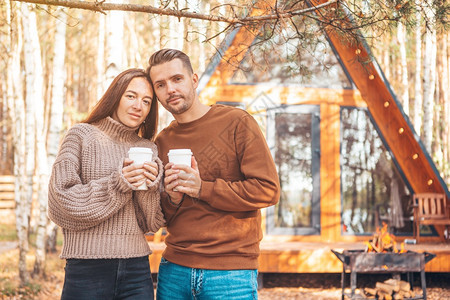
pixel 101 6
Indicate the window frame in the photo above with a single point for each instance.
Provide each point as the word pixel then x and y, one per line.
pixel 314 110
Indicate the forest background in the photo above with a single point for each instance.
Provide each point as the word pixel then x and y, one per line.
pixel 59 56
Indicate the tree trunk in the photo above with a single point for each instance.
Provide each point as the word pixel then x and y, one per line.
pixel 221 26
pixel 114 25
pixel 187 32
pixel 42 195
pixel 386 61
pixel 155 27
pixel 100 61
pixel 446 140
pixel 443 85
pixel 169 32
pixel 70 95
pixel 56 108
pixel 176 33
pixel 134 44
pixel 429 81
pixel 201 49
pixel 404 94
pixel 4 127
pixel 16 109
pixel 417 118
pixel 436 142
pixel 35 129
pixel 31 86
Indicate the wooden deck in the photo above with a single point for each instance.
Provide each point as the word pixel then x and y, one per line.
pixel 281 254
pixel 302 257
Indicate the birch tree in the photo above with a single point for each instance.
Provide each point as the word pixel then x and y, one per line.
pixel 4 129
pixel 100 61
pixel 42 176
pixel 134 43
pixel 176 33
pixel 35 139
pixel 429 79
pixel 31 89
pixel 444 100
pixel 417 116
pixel 56 106
pixel 57 87
pixel 404 94
pixel 16 109
pixel 155 24
pixel 114 57
pixel 203 34
pixel 446 141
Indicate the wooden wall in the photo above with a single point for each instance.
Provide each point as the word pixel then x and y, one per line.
pixel 373 92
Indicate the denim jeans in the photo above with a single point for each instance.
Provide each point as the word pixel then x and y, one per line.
pixel 178 282
pixel 88 279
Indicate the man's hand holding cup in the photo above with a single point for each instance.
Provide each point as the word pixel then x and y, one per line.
pixel 182 175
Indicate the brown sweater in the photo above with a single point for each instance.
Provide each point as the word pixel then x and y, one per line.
pixel 100 214
pixel 222 229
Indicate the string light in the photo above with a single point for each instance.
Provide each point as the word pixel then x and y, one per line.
pixel 386 104
pixel 430 181
pixel 371 77
pixel 401 130
pixel 415 156
pixel 358 51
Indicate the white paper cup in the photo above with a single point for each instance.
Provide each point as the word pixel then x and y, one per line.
pixel 140 155
pixel 180 156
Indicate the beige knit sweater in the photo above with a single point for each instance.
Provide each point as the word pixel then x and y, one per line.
pixel 100 214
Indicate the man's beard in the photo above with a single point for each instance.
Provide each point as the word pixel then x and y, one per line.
pixel 179 108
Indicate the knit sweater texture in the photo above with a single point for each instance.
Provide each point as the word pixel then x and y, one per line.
pixel 220 230
pixel 100 213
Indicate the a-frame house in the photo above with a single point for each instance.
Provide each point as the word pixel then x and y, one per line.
pixel 347 155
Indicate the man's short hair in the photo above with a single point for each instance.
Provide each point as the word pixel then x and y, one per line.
pixel 166 55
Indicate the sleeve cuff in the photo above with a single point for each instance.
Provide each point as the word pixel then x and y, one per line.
pixel 123 184
pixel 206 190
pixel 155 184
pixel 173 203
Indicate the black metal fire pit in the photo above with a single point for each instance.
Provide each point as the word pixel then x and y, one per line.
pixel 359 261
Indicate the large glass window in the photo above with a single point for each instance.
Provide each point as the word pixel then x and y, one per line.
pixel 293 135
pixel 373 190
pixel 289 58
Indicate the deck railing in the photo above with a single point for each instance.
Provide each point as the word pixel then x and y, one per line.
pixel 7 192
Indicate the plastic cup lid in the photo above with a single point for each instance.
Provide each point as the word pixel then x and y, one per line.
pixel 140 150
pixel 180 152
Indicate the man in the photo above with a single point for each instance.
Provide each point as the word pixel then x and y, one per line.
pixel 212 208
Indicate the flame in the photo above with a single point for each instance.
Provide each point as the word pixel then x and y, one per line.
pixel 387 239
pixel 383 241
pixel 402 248
pixel 369 247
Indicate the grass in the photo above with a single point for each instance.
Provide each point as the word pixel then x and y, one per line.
pixel 8 232
pixel 48 287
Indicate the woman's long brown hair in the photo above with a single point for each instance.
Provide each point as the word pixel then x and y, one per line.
pixel 109 102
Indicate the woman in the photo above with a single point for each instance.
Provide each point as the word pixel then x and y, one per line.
pixel 93 194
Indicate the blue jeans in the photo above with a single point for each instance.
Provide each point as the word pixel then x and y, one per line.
pixel 178 282
pixel 108 279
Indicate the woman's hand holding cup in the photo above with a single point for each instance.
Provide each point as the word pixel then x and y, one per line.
pixel 139 169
